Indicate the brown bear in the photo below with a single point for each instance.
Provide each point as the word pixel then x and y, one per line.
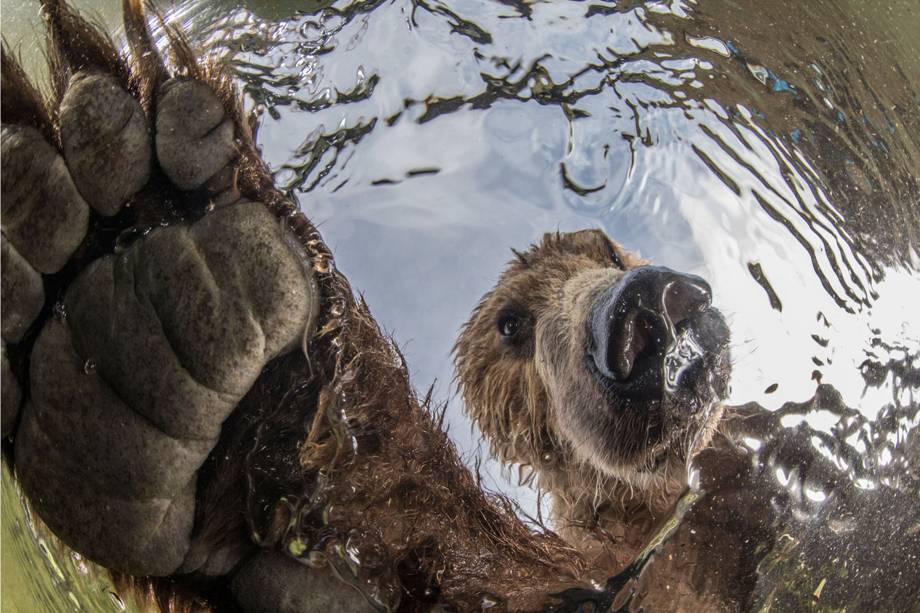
pixel 603 373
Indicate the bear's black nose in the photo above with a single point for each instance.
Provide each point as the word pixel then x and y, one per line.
pixel 635 322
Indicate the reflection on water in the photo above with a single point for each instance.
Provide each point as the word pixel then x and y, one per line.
pixel 39 574
pixel 771 147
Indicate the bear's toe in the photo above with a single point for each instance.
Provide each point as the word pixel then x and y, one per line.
pixel 194 135
pixel 43 214
pixel 105 139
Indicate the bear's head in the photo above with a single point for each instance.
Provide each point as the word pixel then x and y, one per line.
pixel 585 358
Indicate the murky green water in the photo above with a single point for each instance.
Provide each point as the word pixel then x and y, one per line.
pixel 771 147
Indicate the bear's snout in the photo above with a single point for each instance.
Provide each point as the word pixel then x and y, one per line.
pixel 641 319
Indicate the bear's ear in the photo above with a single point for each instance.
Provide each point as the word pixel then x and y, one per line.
pixel 629 259
pixel 614 252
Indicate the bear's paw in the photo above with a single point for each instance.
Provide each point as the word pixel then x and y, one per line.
pixel 143 293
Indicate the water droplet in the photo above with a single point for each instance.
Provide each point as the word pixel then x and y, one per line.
pixel 693 477
pixel 327 96
pixel 117 601
pixel 352 553
pixel 316 559
pixel 488 601
pixel 685 351
pixel 321 265
pixel 127 237
pixel 89 366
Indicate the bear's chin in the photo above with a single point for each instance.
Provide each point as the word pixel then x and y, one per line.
pixel 656 465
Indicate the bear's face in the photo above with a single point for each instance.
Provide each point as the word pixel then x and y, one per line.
pixel 584 352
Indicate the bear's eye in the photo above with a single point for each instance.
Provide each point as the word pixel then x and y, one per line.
pixel 508 325
pixel 615 257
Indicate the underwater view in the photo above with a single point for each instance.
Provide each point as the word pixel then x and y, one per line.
pixel 771 147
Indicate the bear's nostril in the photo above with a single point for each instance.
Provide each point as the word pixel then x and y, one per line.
pixel 633 337
pixel 684 297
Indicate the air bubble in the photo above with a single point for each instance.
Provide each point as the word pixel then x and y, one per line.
pixel 89 366
pixel 79 563
pixel 127 237
pixel 332 21
pixel 312 31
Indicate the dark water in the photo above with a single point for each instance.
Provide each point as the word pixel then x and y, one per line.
pixel 771 147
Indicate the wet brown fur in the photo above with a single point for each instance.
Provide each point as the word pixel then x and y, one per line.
pixel 533 398
pixel 74 44
pixel 329 450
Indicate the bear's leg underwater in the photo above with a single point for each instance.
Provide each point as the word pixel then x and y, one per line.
pixel 192 395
